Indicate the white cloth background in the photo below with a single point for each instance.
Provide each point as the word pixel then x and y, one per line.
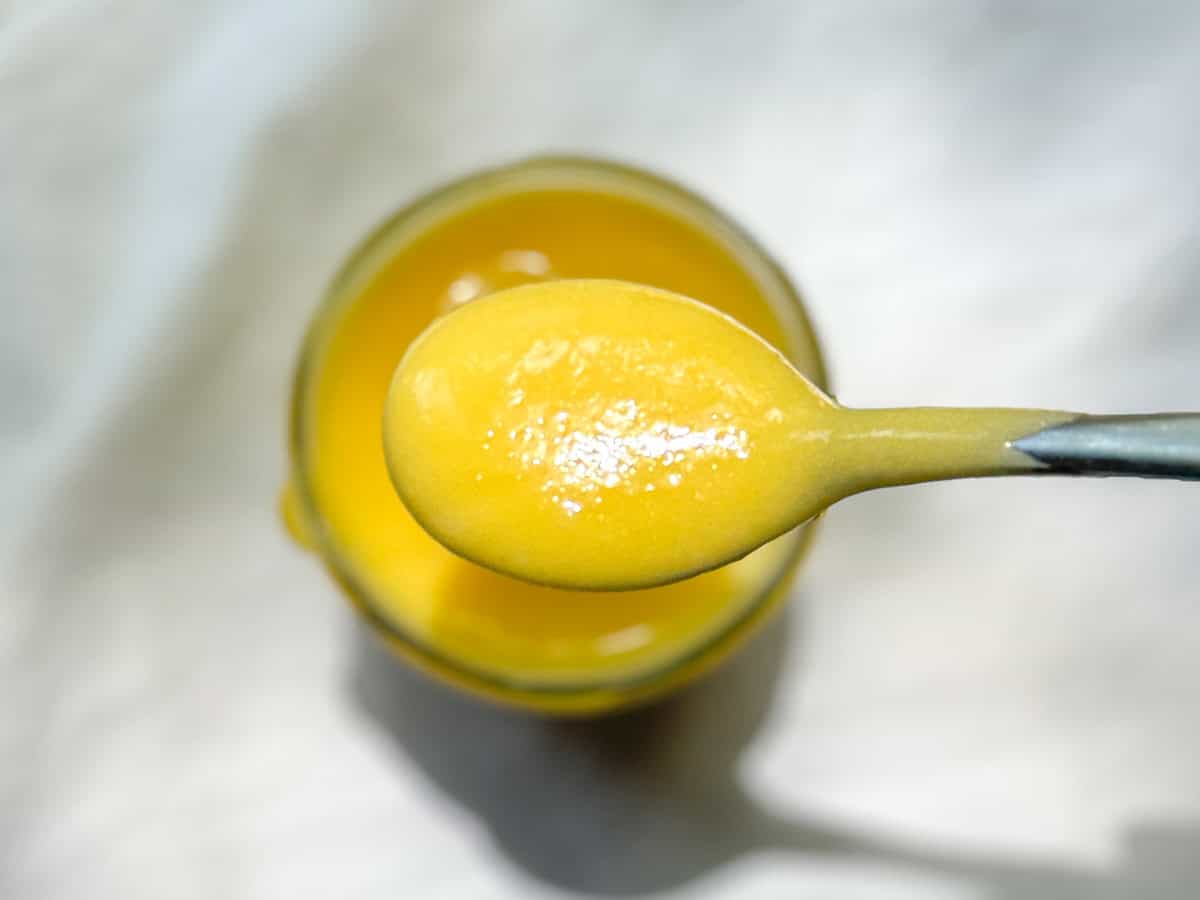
pixel 982 690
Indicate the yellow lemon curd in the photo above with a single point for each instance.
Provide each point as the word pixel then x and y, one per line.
pixel 599 434
pixel 550 649
pixel 595 434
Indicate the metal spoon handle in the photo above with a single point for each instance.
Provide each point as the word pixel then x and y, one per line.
pixel 1163 445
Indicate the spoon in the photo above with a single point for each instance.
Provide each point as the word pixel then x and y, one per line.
pixel 603 435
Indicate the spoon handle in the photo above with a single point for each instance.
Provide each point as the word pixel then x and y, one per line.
pixel 1163 445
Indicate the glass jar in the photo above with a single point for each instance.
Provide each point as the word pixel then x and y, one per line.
pixel 541 649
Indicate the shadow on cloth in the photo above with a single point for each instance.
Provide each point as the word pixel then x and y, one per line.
pixel 647 800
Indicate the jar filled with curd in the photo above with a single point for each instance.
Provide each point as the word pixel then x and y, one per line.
pixel 540 648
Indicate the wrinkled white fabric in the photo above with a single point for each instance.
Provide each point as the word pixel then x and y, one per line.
pixel 982 690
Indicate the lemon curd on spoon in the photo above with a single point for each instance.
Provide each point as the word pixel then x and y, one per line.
pixel 600 435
